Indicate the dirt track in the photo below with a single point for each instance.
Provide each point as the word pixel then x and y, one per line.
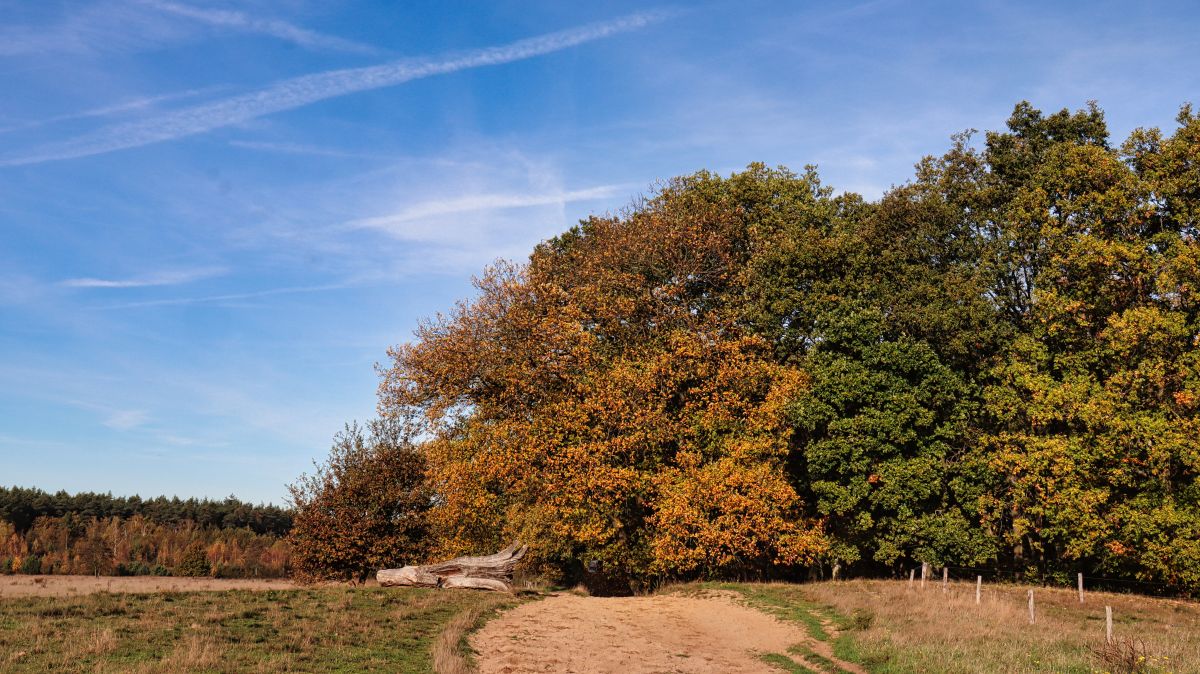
pixel 634 635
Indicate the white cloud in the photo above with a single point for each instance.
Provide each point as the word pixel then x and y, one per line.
pixel 272 27
pixel 167 278
pixel 485 202
pixel 305 90
pixel 102 27
pixel 126 420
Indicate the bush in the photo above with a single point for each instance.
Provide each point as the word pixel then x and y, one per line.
pixel 862 619
pixel 364 508
pixel 133 569
pixel 31 565
pixel 194 562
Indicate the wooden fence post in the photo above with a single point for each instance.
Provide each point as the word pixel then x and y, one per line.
pixel 978 588
pixel 945 579
pixel 1080 576
pixel 924 573
pixel 1032 619
pixel 912 573
pixel 1108 624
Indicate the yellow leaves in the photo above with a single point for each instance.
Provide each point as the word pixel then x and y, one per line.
pixel 716 517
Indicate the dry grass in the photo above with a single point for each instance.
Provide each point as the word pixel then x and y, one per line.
pixel 65 586
pixel 914 630
pixel 451 652
pixel 311 630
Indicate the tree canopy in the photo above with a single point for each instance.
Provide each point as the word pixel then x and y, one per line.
pixel 996 363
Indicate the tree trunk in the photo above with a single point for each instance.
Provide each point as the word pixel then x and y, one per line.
pixel 491 572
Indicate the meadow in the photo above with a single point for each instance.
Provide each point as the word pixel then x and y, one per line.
pixel 889 628
pixel 884 627
pixel 326 629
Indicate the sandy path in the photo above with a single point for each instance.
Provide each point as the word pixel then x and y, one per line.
pixel 66 586
pixel 633 635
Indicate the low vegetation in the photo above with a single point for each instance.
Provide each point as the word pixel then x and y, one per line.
pixel 886 627
pixel 881 627
pixel 312 630
pixel 363 509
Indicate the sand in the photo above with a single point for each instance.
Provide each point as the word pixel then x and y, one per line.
pixel 711 633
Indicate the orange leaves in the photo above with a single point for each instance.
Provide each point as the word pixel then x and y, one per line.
pixel 726 516
pixel 592 400
pixel 1185 399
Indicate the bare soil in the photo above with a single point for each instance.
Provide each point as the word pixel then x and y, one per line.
pixel 67 586
pixel 710 633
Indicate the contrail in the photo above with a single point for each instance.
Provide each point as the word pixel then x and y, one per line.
pixel 168 278
pixel 273 27
pixel 484 202
pixel 124 106
pixel 307 89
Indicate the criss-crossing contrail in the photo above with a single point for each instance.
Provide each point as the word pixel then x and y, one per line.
pixel 307 89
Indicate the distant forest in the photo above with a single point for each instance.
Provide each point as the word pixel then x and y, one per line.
pixel 105 534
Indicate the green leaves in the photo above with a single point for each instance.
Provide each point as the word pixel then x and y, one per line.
pixel 744 373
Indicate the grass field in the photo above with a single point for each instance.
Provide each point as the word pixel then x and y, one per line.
pixel 889 629
pixel 315 630
pixel 874 626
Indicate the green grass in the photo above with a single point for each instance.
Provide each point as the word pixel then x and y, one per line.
pixel 315 630
pixel 785 663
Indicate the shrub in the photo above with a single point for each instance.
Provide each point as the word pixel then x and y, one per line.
pixel 31 565
pixel 133 569
pixel 194 562
pixel 363 509
pixel 1126 656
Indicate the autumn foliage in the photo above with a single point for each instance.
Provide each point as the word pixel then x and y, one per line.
pixel 362 509
pixel 996 364
pixel 138 546
pixel 89 533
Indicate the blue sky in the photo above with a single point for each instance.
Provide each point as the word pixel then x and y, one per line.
pixel 216 217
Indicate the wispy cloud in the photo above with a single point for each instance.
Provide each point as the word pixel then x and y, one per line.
pixel 18 289
pixel 128 105
pixel 483 202
pixel 305 90
pixel 273 27
pixel 102 27
pixel 303 149
pixel 231 297
pixel 125 420
pixel 167 278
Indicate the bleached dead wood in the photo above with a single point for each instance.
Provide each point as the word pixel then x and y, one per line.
pixel 489 572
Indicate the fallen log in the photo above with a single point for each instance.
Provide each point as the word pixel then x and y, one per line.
pixel 490 572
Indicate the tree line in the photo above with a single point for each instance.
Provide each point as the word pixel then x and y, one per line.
pixel 21 506
pixel 997 363
pixel 88 533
